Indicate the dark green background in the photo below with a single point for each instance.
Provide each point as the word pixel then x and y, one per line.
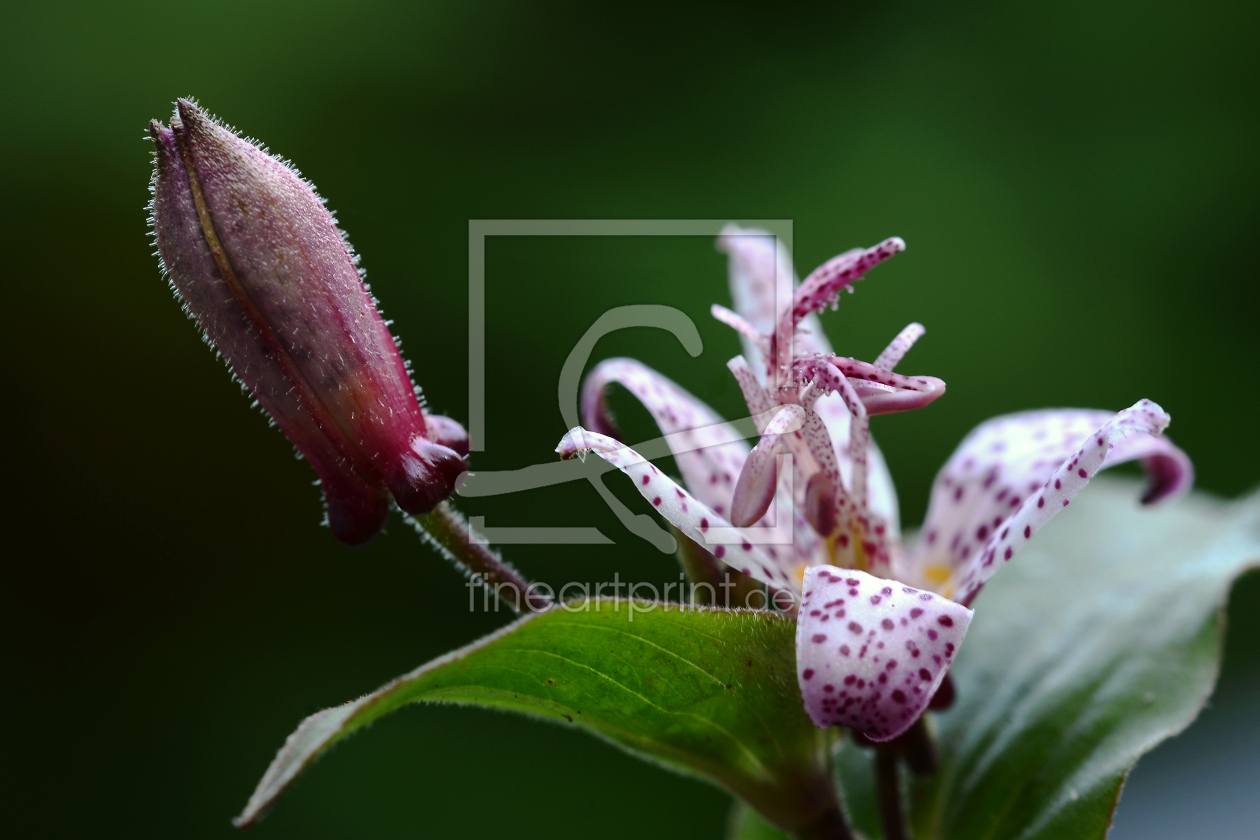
pixel 1077 184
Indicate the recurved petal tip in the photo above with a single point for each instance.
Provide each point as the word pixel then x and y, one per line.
pixel 425 476
pixel 578 441
pixel 594 407
pixel 447 432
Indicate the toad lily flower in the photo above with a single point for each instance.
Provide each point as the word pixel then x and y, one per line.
pixel 878 623
pixel 260 264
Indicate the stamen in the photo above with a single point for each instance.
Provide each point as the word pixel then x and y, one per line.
pixel 736 322
pixel 894 352
pixel 754 395
pixel 758 479
pixel 880 390
pixel 859 435
pixel 820 505
pixel 822 288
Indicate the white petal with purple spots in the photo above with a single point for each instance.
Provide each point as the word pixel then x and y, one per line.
pixel 1006 461
pixel 708 451
pixel 687 513
pixel 1131 433
pixel 870 653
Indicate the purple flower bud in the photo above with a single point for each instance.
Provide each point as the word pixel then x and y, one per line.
pixel 261 265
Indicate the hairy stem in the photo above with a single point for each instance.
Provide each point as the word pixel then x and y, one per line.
pixel 447 530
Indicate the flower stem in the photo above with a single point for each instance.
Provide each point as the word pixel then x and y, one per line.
pixel 891 813
pixel 447 530
pixel 918 748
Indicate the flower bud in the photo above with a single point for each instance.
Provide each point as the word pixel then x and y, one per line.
pixel 260 264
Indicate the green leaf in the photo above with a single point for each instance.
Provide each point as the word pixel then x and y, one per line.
pixel 747 824
pixel 1102 639
pixel 708 692
pixel 1099 642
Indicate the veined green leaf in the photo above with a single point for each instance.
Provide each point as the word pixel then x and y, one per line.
pixel 708 692
pixel 1099 642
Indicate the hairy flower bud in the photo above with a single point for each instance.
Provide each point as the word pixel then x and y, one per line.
pixel 260 264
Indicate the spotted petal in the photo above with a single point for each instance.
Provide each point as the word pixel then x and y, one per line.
pixel 870 653
pixel 777 565
pixel 1002 461
pixel 1012 474
pixel 709 452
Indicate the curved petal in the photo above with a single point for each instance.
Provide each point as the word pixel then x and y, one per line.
pixel 1002 461
pixel 1012 474
pixel 776 566
pixel 710 453
pixel 870 653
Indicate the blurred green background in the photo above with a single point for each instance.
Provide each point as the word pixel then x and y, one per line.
pixel 1077 184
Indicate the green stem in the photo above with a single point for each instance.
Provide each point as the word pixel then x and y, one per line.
pixel 918 747
pixel 447 530
pixel 891 813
